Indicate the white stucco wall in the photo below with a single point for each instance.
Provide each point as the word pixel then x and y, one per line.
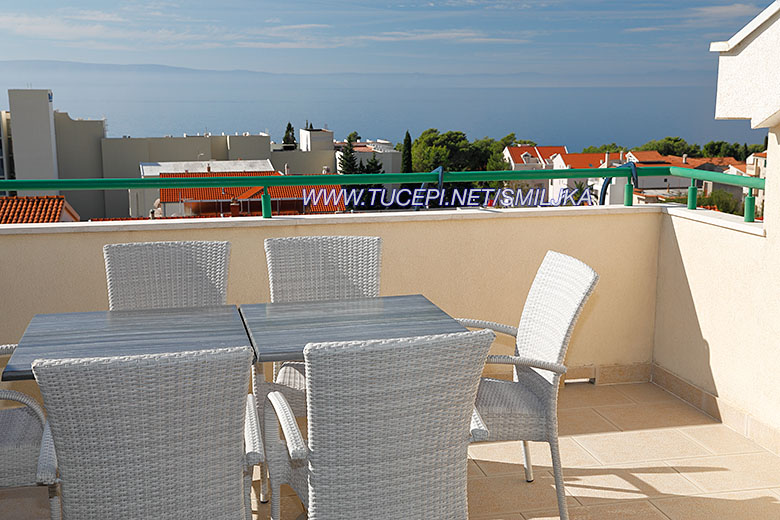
pixel 749 72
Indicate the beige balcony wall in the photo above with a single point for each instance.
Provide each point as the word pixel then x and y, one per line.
pixel 717 324
pixel 471 263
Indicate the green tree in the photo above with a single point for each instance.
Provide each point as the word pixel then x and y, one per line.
pixel 604 148
pixel 406 154
pixel 524 141
pixel 373 165
pixel 289 135
pixel 353 137
pixel 496 162
pixel 348 162
pixel 672 146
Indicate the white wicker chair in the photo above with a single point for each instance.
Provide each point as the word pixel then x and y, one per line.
pixel 152 275
pixel 153 436
pixel 312 269
pixel 388 428
pixel 526 409
pixel 26 447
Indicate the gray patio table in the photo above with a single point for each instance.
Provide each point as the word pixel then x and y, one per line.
pixel 279 331
pixel 117 333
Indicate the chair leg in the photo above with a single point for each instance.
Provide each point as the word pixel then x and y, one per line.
pixel 558 473
pixel 529 470
pixel 263 484
pixel 276 502
pixel 54 503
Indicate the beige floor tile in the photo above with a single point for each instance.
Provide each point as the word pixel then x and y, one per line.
pixel 626 482
pixel 720 439
pixel 291 508
pixel 474 470
pixel 25 503
pixel 636 510
pixel 579 421
pixel 490 496
pixel 625 447
pixel 654 415
pixel 732 472
pixel 501 458
pixel 585 395
pixel 646 393
pixel 740 505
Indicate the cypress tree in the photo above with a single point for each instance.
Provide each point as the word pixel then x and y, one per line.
pixel 289 135
pixel 373 165
pixel 406 154
pixel 348 162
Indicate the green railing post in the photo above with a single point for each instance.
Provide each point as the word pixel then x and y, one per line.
pixel 266 202
pixel 750 206
pixel 692 193
pixel 628 194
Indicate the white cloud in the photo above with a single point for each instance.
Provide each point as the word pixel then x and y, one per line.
pixel 95 16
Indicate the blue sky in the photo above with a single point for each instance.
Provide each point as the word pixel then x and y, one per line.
pixel 547 42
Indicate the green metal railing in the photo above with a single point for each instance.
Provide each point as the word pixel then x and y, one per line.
pixel 752 183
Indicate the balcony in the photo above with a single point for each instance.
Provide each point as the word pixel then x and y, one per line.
pixel 670 407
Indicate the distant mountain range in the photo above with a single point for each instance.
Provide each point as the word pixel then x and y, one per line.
pixel 13 71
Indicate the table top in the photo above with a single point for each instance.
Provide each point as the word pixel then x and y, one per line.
pixel 279 331
pixel 124 333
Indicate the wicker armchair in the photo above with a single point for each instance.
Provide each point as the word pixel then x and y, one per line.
pixel 153 436
pixel 388 428
pixel 152 275
pixel 526 409
pixel 26 447
pixel 317 268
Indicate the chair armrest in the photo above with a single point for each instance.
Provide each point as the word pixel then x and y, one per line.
pixel 558 368
pixel 13 395
pixel 253 442
pixel 47 460
pixel 480 324
pixel 479 431
pixel 296 447
pixel 7 350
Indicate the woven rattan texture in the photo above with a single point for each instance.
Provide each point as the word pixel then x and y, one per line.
pixel 388 428
pixel 526 409
pixel 150 436
pixel 323 268
pixel 151 275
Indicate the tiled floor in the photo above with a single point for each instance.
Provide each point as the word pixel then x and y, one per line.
pixel 629 452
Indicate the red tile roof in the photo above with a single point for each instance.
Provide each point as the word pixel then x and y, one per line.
pixel 35 210
pixel 647 156
pixel 760 154
pixel 516 153
pixel 243 192
pixel 543 153
pixel 582 160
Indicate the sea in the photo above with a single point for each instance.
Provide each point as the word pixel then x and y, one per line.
pixel 153 100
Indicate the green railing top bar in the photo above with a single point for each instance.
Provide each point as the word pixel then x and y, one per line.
pixel 394 178
pixel 384 178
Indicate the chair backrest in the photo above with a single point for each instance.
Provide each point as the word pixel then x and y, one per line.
pixel 152 275
pixel 388 424
pixel 149 436
pixel 558 293
pixel 323 268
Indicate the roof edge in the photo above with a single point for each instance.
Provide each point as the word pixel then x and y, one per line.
pixel 746 31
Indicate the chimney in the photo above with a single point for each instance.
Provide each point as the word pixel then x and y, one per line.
pixel 685 158
pixel 621 156
pixel 286 169
pixel 606 159
pixel 235 208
